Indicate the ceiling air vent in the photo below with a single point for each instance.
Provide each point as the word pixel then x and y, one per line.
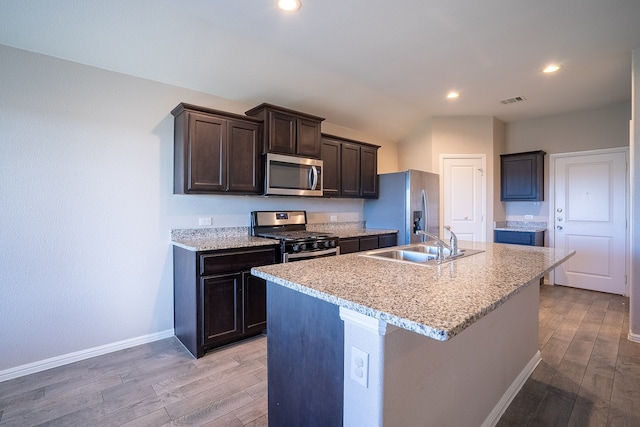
pixel 512 100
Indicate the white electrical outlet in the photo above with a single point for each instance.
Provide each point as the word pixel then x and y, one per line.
pixel 528 217
pixel 334 217
pixel 204 221
pixel 360 366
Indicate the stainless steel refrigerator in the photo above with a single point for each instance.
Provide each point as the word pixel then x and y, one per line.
pixel 408 201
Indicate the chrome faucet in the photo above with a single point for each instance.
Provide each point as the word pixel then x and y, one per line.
pixel 453 241
pixel 452 246
pixel 439 243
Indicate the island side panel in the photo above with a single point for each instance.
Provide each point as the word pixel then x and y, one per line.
pixel 305 359
pixel 468 379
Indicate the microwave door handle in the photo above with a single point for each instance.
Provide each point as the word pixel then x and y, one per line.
pixel 313 177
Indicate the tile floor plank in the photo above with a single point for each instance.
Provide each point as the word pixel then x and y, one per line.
pixel 589 376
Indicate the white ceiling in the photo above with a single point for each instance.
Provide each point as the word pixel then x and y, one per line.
pixel 380 67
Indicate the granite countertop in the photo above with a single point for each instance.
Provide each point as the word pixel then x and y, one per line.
pixel 211 238
pixel 522 226
pixel 207 239
pixel 438 301
pixel 360 232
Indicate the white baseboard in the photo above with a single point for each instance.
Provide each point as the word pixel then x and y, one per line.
pixel 65 359
pixel 511 392
pixel 633 337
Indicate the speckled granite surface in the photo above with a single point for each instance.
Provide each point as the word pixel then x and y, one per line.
pixel 348 229
pixel 438 301
pixel 206 239
pixel 211 238
pixel 526 226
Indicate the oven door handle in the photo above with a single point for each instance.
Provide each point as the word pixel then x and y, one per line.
pixel 310 255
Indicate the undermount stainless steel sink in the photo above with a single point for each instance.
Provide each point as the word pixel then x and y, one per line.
pixel 419 253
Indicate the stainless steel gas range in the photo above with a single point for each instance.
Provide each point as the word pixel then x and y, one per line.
pixel 290 227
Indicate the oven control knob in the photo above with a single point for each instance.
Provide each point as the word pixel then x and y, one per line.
pixel 326 243
pixel 333 243
pixel 295 248
pixel 314 245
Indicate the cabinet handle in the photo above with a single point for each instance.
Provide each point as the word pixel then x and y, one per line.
pixel 559 227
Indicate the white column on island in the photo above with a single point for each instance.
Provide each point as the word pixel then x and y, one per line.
pixel 363 368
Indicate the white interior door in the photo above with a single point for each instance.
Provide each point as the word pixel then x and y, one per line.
pixel 463 197
pixel 590 217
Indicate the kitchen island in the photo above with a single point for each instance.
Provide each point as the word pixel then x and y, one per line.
pixel 354 340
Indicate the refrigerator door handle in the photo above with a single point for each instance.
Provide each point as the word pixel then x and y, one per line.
pixel 425 211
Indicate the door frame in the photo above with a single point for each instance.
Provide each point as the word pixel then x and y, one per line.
pixel 552 203
pixel 483 159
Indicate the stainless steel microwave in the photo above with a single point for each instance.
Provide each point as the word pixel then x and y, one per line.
pixel 292 176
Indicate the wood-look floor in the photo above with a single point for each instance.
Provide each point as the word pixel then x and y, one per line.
pixel 589 376
pixel 590 371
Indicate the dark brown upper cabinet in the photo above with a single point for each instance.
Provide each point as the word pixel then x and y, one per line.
pixel 350 168
pixel 331 156
pixel 522 176
pixel 289 132
pixel 216 152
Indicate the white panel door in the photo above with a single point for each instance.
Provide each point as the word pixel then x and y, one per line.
pixel 590 217
pixel 463 197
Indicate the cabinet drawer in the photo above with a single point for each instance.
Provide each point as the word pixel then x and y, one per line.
pixel 387 240
pixel 368 243
pixel 348 246
pixel 232 261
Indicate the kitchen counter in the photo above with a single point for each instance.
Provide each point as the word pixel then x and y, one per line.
pixel 360 232
pixel 520 226
pixel 438 301
pixel 389 343
pixel 345 230
pixel 206 239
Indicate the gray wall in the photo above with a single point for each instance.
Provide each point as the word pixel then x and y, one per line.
pixel 86 204
pixel 601 128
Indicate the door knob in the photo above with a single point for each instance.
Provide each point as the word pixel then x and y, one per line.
pixel 559 210
pixel 559 227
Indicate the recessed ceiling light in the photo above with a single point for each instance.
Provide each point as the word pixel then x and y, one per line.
pixel 453 95
pixel 552 68
pixel 289 5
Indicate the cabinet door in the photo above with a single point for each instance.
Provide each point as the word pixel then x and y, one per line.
pixel 282 128
pixel 522 176
pixel 350 170
pixel 221 308
pixel 331 167
pixel 369 172
pixel 244 157
pixel 254 304
pixel 205 151
pixel 308 138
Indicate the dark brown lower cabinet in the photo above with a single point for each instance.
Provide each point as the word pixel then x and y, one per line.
pixel 222 314
pixel 527 238
pixel 216 299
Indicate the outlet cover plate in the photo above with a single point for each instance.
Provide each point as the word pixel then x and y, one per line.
pixel 359 366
